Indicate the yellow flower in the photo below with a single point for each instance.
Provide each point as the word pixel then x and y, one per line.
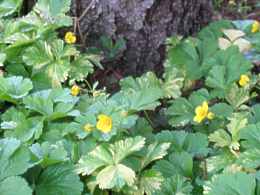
pixel 104 123
pixel 210 115
pixel 75 90
pixel 88 127
pixel 70 38
pixel 255 27
pixel 244 80
pixel 202 112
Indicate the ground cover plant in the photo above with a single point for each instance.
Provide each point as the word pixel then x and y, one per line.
pixel 61 135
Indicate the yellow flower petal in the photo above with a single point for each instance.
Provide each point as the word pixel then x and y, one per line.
pixel 198 110
pixel 210 115
pixel 198 119
pixel 75 90
pixel 244 80
pixel 205 106
pixel 104 123
pixel 70 38
pixel 202 112
pixel 255 27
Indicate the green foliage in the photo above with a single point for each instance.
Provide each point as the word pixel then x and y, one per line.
pixel 15 158
pixel 9 7
pixel 232 184
pixel 13 88
pixel 231 65
pixel 49 154
pixel 16 124
pixel 109 158
pixel 175 185
pixel 7 186
pixel 31 45
pixel 54 12
pixel 60 179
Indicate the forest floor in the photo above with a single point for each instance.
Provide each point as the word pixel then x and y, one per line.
pixel 237 9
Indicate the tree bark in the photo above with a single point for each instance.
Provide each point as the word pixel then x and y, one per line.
pixel 143 24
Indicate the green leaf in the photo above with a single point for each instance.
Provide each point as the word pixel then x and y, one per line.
pixel 178 163
pixel 54 7
pixel 142 128
pixel 185 57
pixel 250 136
pixel 250 158
pixel 39 102
pixel 237 96
pixel 115 176
pixel 8 7
pixel 28 129
pixel 227 67
pixel 54 60
pixel 183 162
pixel 141 93
pixel 58 72
pixel 193 143
pixel 53 11
pixel 13 88
pixel 38 55
pixel 105 155
pixel 106 159
pixel 198 97
pixel 54 104
pixel 150 181
pixel 191 56
pixel 41 81
pixel 148 80
pixel 124 148
pixel 9 186
pixel 181 112
pixel 196 144
pixel 232 184
pixel 214 30
pixel 221 138
pixel 237 122
pixel 176 138
pixel 17 125
pixel 48 154
pixel 97 158
pixel 255 118
pixel 59 179
pixel 145 99
pixel 173 82
pixel 222 110
pixel 154 152
pixel 80 68
pixel 2 59
pixel 16 69
pixel 216 78
pixel 14 158
pixel 175 185
pixel 220 161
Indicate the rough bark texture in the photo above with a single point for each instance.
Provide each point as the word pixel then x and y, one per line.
pixel 144 24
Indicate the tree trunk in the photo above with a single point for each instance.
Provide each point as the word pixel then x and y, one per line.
pixel 143 24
